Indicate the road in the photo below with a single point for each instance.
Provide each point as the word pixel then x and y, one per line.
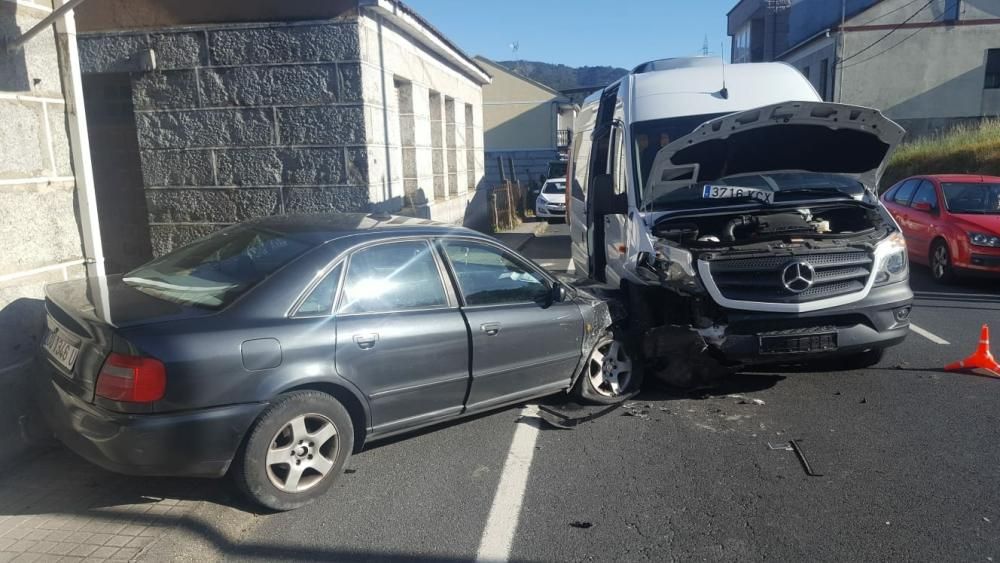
pixel 908 456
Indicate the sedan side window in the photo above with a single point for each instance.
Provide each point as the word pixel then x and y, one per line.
pixel 489 276
pixel 398 276
pixel 320 300
pixel 905 192
pixel 925 194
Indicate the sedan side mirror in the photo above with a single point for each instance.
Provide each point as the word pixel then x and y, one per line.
pixel 559 293
pixel 923 206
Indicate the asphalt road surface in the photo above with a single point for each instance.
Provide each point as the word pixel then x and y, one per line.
pixel 909 457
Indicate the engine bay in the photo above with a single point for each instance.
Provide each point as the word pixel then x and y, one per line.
pixel 706 231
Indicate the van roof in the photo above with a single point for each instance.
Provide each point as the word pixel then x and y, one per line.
pixel 692 86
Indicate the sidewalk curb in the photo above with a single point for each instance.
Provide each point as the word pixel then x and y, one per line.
pixel 540 228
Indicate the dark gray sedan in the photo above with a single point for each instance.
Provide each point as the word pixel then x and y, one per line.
pixel 274 349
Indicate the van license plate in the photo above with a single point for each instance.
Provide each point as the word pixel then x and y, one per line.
pixel 61 350
pixel 735 192
pixel 799 343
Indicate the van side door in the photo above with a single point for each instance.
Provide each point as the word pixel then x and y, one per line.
pixel 576 188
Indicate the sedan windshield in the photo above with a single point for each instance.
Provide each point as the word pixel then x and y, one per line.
pixel 215 270
pixel 965 197
pixel 765 188
pixel 554 188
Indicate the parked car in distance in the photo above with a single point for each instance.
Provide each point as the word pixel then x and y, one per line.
pixel 551 201
pixel 951 222
pixel 275 348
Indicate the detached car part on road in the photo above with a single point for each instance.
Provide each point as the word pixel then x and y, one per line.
pixel 743 228
pixel 275 348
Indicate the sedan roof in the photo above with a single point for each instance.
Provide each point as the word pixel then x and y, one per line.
pixel 324 227
pixel 971 178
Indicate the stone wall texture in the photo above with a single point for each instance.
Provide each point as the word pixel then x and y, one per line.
pixel 39 230
pixel 242 121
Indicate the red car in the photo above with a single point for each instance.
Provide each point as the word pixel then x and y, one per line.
pixel 951 222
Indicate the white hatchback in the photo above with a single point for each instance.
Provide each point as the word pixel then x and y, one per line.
pixel 551 202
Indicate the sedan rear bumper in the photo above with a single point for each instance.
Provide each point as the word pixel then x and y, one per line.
pixel 200 443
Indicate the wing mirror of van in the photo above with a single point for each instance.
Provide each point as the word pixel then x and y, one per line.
pixel 607 201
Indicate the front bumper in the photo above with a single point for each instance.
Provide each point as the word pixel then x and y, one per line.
pixel 546 211
pixel 199 443
pixel 880 320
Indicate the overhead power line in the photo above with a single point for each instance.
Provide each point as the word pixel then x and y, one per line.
pixel 898 43
pixel 891 31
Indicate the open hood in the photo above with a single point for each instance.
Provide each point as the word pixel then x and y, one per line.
pixel 807 136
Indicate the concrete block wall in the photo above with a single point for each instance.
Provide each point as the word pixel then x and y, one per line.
pixel 241 121
pixel 38 225
pixel 421 153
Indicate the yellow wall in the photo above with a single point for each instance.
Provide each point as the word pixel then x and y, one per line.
pixel 517 114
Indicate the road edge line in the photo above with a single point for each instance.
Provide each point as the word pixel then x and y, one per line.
pixel 501 524
pixel 929 335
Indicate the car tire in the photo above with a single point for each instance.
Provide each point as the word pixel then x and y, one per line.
pixel 940 260
pixel 862 360
pixel 310 429
pixel 611 371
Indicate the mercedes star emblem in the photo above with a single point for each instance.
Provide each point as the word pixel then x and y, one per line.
pixel 798 276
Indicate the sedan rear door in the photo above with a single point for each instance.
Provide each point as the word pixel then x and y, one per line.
pixel 523 344
pixel 401 338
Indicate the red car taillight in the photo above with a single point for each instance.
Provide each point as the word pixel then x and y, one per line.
pixel 132 379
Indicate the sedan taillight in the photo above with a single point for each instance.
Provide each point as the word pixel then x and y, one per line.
pixel 132 379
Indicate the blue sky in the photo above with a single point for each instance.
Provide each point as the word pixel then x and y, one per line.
pixel 620 33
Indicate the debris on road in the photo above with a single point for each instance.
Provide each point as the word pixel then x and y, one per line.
pixel 581 525
pixel 561 421
pixel 637 410
pixel 741 400
pixel 793 446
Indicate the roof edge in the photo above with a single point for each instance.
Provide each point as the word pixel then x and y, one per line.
pixel 406 17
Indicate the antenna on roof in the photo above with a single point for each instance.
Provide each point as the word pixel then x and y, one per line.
pixel 704 47
pixel 725 91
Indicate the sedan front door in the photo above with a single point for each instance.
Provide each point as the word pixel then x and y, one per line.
pixel 401 338
pixel 523 343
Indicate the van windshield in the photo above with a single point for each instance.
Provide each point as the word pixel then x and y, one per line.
pixel 648 137
pixel 770 187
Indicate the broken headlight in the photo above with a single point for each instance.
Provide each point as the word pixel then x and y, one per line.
pixel 674 265
pixel 891 262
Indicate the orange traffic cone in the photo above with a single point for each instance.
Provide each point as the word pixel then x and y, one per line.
pixel 981 361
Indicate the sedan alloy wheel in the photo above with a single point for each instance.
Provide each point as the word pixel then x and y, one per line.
pixel 302 453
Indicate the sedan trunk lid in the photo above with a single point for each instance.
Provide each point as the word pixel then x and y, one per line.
pixel 83 319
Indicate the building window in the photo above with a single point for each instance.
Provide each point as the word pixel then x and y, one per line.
pixel 741 44
pixel 437 145
pixel 953 8
pixel 993 69
pixel 824 70
pixel 470 148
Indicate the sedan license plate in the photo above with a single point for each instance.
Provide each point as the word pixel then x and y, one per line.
pixel 63 351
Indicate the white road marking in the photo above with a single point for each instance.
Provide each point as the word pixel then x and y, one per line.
pixel 498 536
pixel 571 269
pixel 928 335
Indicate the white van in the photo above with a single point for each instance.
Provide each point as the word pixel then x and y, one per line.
pixel 737 212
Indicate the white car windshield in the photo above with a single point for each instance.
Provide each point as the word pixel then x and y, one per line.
pixel 554 188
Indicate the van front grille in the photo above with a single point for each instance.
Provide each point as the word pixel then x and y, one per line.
pixel 791 279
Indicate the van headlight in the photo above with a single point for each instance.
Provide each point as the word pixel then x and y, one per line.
pixel 674 265
pixel 893 265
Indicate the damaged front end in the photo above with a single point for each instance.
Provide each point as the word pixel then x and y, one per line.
pixel 761 223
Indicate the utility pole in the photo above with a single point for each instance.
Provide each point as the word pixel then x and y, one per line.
pixel 704 47
pixel 843 47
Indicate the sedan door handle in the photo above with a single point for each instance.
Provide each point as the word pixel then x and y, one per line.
pixel 491 329
pixel 366 341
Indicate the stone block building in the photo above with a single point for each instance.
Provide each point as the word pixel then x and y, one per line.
pixel 199 124
pixel 161 121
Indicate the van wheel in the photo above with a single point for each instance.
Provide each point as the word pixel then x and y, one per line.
pixel 295 450
pixel 940 260
pixel 610 373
